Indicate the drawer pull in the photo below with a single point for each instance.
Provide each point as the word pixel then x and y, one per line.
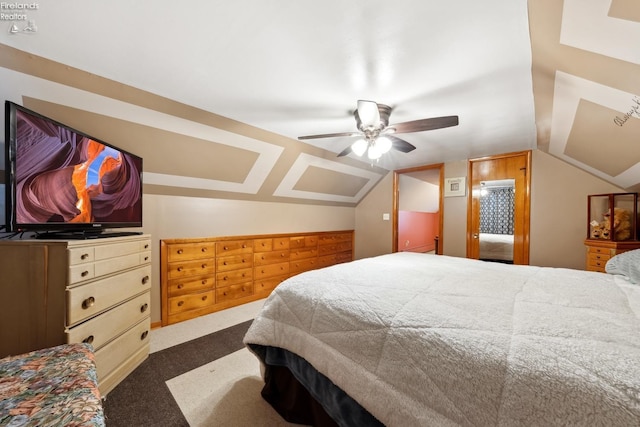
pixel 88 302
pixel 84 256
pixel 146 246
pixel 144 335
pixel 204 265
pixel 225 278
pixel 244 246
pixel 225 248
pixel 224 263
pixel 204 298
pixel 204 281
pixel 88 340
pixel 180 286
pixel 84 273
pixel 144 307
pixel 146 258
pixel 180 268
pixel 180 251
pixel 145 280
pixel 244 260
pixel 224 293
pixel 204 249
pixel 180 303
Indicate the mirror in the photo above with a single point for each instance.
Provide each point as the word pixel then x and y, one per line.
pixel 497 207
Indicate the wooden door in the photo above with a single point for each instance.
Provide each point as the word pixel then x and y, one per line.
pixel 512 166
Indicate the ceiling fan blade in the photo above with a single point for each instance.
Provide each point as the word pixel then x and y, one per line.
pixel 368 113
pixel 400 144
pixel 425 124
pixel 345 151
pixel 330 135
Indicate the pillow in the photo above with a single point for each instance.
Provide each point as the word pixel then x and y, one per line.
pixel 627 264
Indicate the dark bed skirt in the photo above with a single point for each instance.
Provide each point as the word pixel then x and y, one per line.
pixel 302 395
pixel 291 400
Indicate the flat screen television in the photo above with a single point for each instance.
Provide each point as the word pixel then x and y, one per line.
pixel 65 183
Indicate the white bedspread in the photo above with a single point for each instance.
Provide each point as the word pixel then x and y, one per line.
pixel 433 340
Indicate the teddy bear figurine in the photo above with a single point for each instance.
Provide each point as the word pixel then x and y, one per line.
pixel 621 224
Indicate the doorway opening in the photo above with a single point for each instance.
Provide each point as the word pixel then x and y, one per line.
pixel 499 208
pixel 418 209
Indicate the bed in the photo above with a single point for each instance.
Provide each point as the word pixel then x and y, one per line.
pixel 410 339
pixel 496 247
pixel 55 386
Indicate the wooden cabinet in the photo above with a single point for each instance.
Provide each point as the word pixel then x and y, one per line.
pixel 600 251
pixel 203 275
pixel 95 291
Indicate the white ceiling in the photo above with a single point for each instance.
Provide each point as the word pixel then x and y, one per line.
pixel 297 67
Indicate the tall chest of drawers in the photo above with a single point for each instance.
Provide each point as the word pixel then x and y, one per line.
pixel 202 275
pixel 63 291
pixel 599 251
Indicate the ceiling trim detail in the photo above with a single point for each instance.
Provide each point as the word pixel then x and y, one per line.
pixel 588 26
pixel 304 161
pixel 568 92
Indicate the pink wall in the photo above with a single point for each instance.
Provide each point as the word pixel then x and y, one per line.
pixel 417 231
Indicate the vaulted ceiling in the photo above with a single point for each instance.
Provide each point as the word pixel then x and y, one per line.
pixel 244 79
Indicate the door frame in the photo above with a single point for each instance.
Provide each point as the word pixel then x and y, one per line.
pixel 524 239
pixel 396 202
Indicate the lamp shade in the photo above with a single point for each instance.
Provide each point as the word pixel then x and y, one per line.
pixel 359 147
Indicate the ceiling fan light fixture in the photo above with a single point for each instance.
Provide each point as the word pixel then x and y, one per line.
pixel 383 144
pixel 359 147
pixel 374 152
pixel 369 114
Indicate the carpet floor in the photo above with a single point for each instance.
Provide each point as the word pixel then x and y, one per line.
pixel 198 374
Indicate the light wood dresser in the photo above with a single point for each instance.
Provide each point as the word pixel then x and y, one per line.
pixel 202 275
pixel 63 291
pixel 599 251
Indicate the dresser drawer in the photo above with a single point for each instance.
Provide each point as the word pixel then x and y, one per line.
pixel 81 255
pixel 271 270
pixel 234 262
pixel 329 239
pixel 234 247
pixel 273 257
pixel 344 257
pixel 327 249
pixel 81 272
pixel 106 326
pixel 113 250
pixel 226 278
pixel 94 297
pixel 597 262
pixel 298 266
pixel 190 251
pixel 201 267
pixel 267 285
pixel 603 251
pixel 115 353
pixel 187 285
pixel 327 260
pixel 232 292
pixel 303 242
pixel 262 245
pixel 303 253
pixel 190 301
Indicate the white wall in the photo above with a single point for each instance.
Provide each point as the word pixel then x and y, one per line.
pixel 417 195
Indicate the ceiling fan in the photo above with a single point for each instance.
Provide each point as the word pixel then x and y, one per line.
pixel 377 136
